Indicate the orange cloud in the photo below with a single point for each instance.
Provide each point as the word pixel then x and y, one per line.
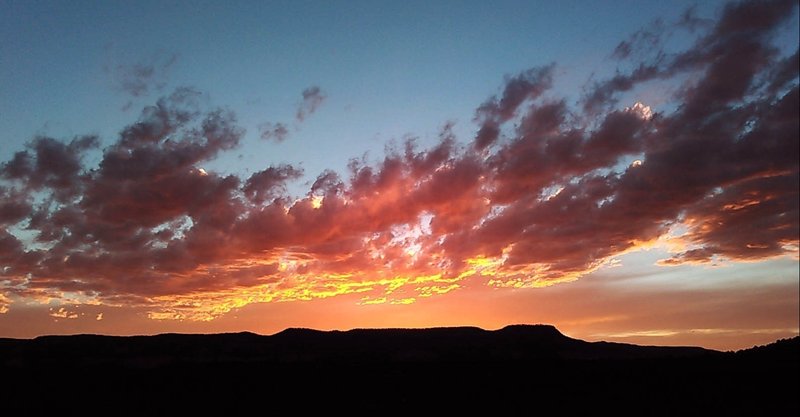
pixel 63 313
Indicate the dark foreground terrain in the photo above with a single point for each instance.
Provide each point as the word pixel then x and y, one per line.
pixel 518 370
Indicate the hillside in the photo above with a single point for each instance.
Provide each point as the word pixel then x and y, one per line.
pixel 517 369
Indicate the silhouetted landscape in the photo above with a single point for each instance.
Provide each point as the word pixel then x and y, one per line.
pixel 521 369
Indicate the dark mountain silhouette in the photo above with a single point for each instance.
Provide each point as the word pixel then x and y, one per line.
pixel 783 350
pixel 515 370
pixel 519 342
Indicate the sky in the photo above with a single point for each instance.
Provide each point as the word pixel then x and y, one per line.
pixel 626 171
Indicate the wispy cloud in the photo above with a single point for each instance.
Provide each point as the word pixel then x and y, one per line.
pixel 313 97
pixel 139 79
pixel 273 131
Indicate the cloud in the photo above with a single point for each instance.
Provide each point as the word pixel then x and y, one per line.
pixel 277 131
pixel 648 38
pixel 4 303
pixel 269 183
pixel 50 163
pixel 727 53
pixel 527 85
pixel 559 194
pixel 63 313
pixel 14 206
pixel 141 78
pixel 312 99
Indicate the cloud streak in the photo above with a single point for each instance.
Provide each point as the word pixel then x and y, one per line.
pixel 545 192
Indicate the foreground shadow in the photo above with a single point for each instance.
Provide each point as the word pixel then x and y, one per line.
pixel 518 370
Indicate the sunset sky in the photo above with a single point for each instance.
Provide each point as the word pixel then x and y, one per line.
pixel 624 170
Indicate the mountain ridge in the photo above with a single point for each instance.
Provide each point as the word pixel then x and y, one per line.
pixel 519 370
pixel 465 343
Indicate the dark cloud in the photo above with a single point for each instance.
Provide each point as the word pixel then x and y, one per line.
pixel 159 121
pixel 327 181
pixel 602 94
pixel 270 183
pixel 312 98
pixel 566 190
pixel 50 163
pixel 784 73
pixel 527 85
pixel 14 206
pixel 735 43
